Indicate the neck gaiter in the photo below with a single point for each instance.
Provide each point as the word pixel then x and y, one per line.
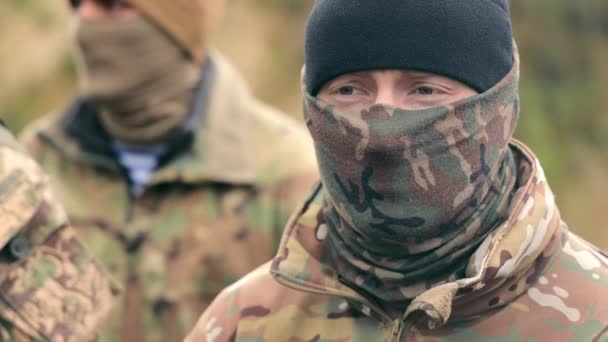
pixel 141 81
pixel 411 194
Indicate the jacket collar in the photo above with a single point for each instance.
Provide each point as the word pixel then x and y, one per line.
pixel 212 146
pixel 522 246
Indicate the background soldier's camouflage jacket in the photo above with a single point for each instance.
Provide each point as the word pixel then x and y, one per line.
pixel 532 280
pixel 51 289
pixel 212 214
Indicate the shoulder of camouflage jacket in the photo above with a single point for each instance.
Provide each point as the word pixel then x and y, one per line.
pixel 282 146
pixel 566 304
pixel 22 190
pixel 243 139
pixel 250 300
pixel 51 289
pixel 257 306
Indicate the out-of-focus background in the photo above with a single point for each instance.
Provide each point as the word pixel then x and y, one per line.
pixel 563 46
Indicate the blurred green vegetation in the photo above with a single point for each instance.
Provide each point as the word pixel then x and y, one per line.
pixel 564 53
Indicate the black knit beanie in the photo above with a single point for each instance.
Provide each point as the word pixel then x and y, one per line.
pixel 467 40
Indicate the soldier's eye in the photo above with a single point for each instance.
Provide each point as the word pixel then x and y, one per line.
pixel 346 90
pixel 425 91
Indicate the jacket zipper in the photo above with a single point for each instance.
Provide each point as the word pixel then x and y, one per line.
pixel 398 329
pixel 401 328
pixel 284 281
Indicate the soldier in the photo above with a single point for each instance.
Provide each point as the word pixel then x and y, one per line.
pixel 51 289
pixel 176 178
pixel 431 222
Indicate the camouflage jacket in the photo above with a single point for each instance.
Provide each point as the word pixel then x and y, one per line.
pixel 51 289
pixel 210 214
pixel 531 280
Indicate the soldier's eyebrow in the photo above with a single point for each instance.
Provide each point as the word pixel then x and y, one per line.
pixel 416 75
pixel 419 74
pixel 360 76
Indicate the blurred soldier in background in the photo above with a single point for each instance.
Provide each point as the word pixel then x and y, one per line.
pixel 177 179
pixel 51 289
pixel 432 223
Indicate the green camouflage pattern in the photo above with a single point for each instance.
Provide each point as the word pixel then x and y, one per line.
pixel 530 280
pixel 410 194
pixel 51 288
pixel 210 216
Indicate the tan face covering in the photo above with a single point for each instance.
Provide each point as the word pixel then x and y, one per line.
pixel 139 78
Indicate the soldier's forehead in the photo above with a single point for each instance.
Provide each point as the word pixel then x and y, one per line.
pixel 405 73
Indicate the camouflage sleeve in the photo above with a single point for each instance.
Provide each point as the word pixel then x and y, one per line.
pixel 234 314
pixel 219 323
pixel 209 327
pixel 51 289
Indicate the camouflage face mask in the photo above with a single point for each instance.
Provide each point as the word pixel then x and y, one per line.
pixel 410 194
pixel 141 81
